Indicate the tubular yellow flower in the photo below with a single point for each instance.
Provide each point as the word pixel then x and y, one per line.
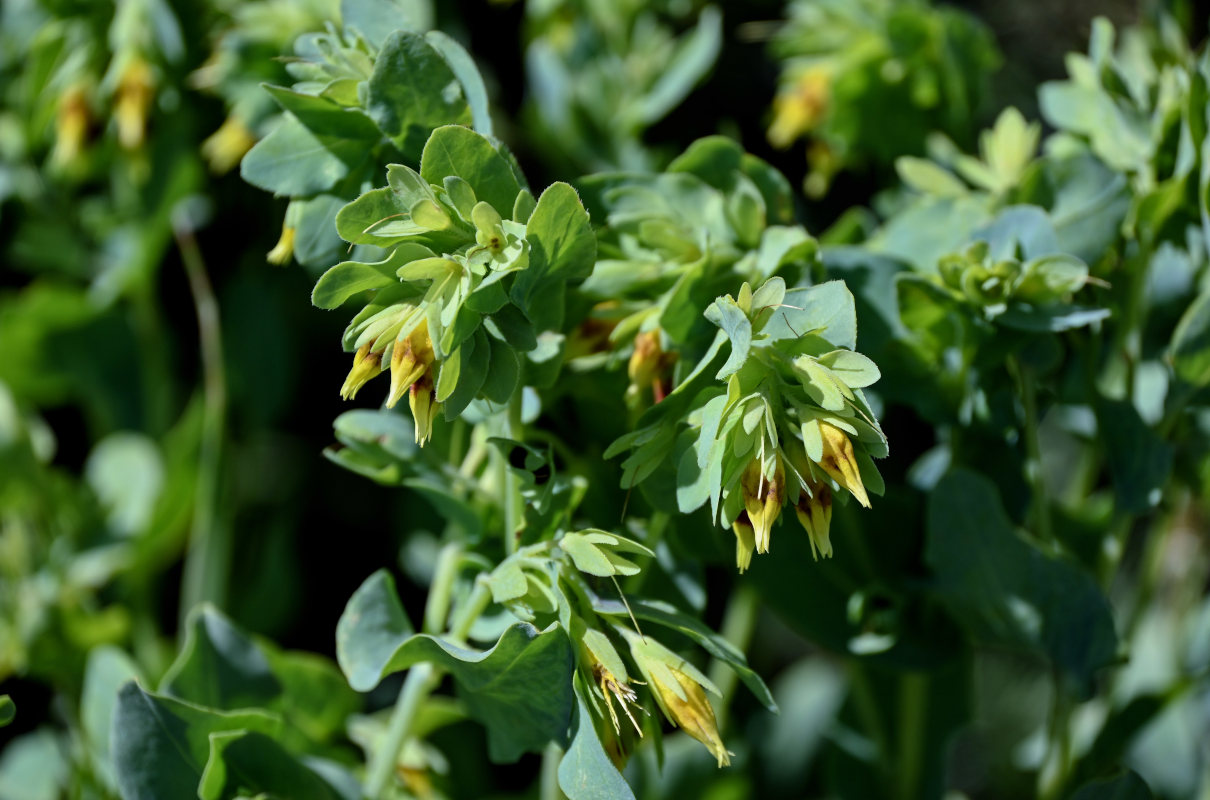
pixel 136 88
pixel 283 251
pixel 688 707
pixel 762 500
pixel 224 148
pixel 71 125
pixel 366 365
pixel 745 541
pixel 649 365
pixel 799 109
pixel 423 402
pixel 814 513
pixel 411 358
pixel 840 463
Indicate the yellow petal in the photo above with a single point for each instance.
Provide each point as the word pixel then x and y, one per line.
pixel 745 542
pixel 840 463
pixel 366 365
pixel 283 251
pixel 693 713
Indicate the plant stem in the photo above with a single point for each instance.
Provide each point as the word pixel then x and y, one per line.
pixel 205 578
pixel 548 787
pixel 913 707
pixel 739 623
pixel 421 680
pixel 1053 775
pixel 512 486
pixel 1027 389
pixel 437 606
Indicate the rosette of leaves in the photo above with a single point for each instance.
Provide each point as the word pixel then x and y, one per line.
pixel 364 97
pixel 674 241
pixel 475 270
pixel 600 74
pixel 849 67
pixel 781 419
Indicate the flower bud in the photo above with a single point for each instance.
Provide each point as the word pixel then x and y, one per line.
pixel 132 100
pixel 814 512
pixel 649 366
pixel 423 402
pixel 799 109
pixel 71 125
pixel 686 704
pixel 762 499
pixel 283 251
pixel 225 148
pixel 745 541
pixel 411 358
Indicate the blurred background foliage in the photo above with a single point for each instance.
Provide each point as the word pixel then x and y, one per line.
pixel 165 392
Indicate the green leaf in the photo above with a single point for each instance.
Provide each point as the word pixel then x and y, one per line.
pixel 853 369
pixel 1190 348
pixel 724 313
pixel 126 471
pixel 585 771
pixel 694 56
pixel 464 68
pixel 378 19
pixel 108 668
pixel 325 117
pixel 219 666
pixel 349 278
pixel 161 745
pixel 243 762
pixel 369 630
pixel 1005 591
pixel 413 91
pixel 294 160
pixel 520 688
pixel 503 372
pixel 8 710
pixel 928 177
pixel 562 248
pixel 455 150
pixel 1127 786
pixel 1139 460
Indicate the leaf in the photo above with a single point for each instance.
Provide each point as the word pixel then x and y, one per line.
pixel 724 313
pixel 562 248
pixel 1127 786
pixel 468 75
pixel 585 771
pixel 412 92
pixel 369 630
pixel 853 369
pixel 108 668
pixel 126 471
pixel 378 19
pixel 161 745
pixel 503 372
pixel 520 688
pixel 1190 348
pixel 243 762
pixel 350 278
pixel 219 666
pixel 8 710
pixel 929 178
pixel 827 311
pixel 1139 460
pixel 694 56
pixel 1006 592
pixel 325 117
pixel 455 150
pixel 294 160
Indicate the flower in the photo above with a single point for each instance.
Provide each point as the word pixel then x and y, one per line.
pixel 224 148
pixel 799 109
pixel 649 366
pixel 366 365
pixel 745 541
pixel 136 87
pixel 283 251
pixel 685 703
pixel 71 125
pixel 763 499
pixel 840 463
pixel 423 402
pixel 411 358
pixel 814 512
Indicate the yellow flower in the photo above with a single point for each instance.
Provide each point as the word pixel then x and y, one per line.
pixel 800 108
pixel 814 512
pixel 224 148
pixel 411 358
pixel 840 463
pixel 687 706
pixel 424 405
pixel 136 88
pixel 745 541
pixel 283 251
pixel 649 366
pixel 71 125
pixel 612 689
pixel 366 365
pixel 762 499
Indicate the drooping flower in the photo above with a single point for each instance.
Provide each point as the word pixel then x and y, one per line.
pixel 71 125
pixel 224 148
pixel 745 541
pixel 422 399
pixel 814 512
pixel 283 251
pixel 763 499
pixel 840 462
pixel 799 109
pixel 411 357
pixel 649 366
pixel 366 365
pixel 132 101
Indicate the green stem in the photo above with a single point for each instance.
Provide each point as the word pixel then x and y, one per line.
pixel 437 606
pixel 739 623
pixel 512 485
pixel 1053 776
pixel 1027 388
pixel 206 563
pixel 476 604
pixel 913 708
pixel 548 788
pixel 421 680
pixel 867 709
